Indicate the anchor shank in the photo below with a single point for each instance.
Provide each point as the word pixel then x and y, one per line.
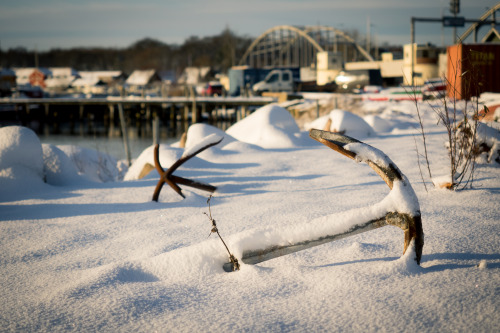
pixel 257 256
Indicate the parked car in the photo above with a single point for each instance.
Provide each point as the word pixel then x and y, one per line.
pixel 434 88
pixel 213 89
pixel 356 80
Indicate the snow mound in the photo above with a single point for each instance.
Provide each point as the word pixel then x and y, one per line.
pixel 20 147
pixel 58 168
pixel 198 132
pixel 269 127
pixel 380 125
pixel 488 132
pixel 350 124
pixel 168 156
pixel 212 139
pixel 343 122
pixel 92 164
pixel 318 123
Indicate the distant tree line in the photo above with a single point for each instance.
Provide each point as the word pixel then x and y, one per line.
pixel 219 52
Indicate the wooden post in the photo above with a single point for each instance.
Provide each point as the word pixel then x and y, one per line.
pixel 224 115
pixel 81 118
pixel 149 117
pixel 156 128
pixel 173 120
pixel 185 118
pixel 216 118
pixel 124 132
pixel 25 118
pixel 46 130
pixel 194 109
pixel 111 120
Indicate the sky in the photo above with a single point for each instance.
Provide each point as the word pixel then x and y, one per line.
pixel 42 25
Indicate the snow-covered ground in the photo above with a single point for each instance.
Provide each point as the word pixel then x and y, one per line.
pixel 83 250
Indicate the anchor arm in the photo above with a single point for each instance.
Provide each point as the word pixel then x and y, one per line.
pixel 171 180
pixel 338 141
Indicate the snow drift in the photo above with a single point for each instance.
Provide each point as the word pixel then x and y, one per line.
pixel 268 127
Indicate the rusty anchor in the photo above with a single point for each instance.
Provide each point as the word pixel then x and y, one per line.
pixel 174 181
pixel 409 222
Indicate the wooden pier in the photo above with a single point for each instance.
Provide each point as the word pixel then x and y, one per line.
pixel 115 116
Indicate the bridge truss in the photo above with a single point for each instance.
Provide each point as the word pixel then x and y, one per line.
pixel 483 20
pixel 293 46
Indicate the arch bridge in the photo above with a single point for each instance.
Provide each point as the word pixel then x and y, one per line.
pixel 483 20
pixel 286 45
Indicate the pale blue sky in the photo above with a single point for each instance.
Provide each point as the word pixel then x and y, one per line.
pixel 45 24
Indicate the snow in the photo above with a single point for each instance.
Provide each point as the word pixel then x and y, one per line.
pixel 344 122
pixel 20 147
pixel 58 167
pixel 379 124
pixel 83 247
pixel 96 166
pixel 140 77
pixel 269 127
pixel 209 140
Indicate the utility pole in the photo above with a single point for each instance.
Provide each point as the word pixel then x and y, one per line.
pixel 368 33
pixel 454 9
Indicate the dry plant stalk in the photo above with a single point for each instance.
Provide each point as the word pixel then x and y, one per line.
pixel 461 129
pixel 232 258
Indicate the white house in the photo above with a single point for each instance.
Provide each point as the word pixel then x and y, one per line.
pixel 61 78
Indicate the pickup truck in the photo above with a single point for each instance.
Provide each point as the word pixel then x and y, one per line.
pixel 283 80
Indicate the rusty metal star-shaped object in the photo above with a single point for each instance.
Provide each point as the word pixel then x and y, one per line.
pixel 172 180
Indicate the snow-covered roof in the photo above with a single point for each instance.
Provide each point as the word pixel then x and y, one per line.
pixel 193 75
pixel 63 71
pixel 61 77
pixel 92 78
pixel 141 77
pixel 85 82
pixel 101 75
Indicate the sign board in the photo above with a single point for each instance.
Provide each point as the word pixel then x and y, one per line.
pixel 453 21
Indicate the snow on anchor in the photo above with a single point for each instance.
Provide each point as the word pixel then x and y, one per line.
pixel 400 208
pixel 171 180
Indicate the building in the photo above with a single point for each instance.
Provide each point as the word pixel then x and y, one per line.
pixel 143 82
pixel 60 78
pixel 98 82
